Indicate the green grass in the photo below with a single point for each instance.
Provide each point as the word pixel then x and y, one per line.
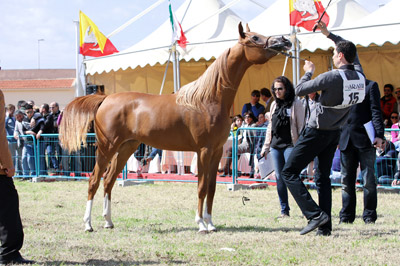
pixel 154 225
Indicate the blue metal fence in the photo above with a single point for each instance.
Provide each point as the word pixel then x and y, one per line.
pixel 44 157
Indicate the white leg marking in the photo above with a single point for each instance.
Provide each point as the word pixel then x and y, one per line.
pixel 107 212
pixel 87 218
pixel 200 222
pixel 207 219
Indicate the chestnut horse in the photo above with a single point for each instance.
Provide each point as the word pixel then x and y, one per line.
pixel 196 118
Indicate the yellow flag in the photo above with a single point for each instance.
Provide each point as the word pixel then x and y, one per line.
pixel 89 33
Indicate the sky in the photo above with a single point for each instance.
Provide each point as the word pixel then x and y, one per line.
pixel 41 33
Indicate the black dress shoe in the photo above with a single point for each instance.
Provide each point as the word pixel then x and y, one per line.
pixel 17 260
pixel 323 232
pixel 315 222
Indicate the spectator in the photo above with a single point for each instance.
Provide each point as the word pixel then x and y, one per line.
pixel 397 96
pixel 260 135
pixel 19 130
pixel 56 147
pixel 246 144
pixel 153 153
pixel 254 106
pixel 394 118
pixel 266 96
pixel 311 104
pixel 286 122
pixel 336 176
pixel 237 122
pixel 45 144
pixel 21 103
pixel 388 104
pixel 12 143
pixel 28 152
pixel 386 163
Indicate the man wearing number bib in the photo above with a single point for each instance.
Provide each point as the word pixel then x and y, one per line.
pixel 340 89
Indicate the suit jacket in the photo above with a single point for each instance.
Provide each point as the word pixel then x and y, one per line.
pixel 368 110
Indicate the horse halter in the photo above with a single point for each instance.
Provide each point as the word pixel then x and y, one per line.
pixel 253 39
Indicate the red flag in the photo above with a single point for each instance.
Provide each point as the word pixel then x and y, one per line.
pixel 304 13
pixel 92 41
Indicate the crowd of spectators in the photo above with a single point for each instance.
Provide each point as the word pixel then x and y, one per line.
pixel 27 123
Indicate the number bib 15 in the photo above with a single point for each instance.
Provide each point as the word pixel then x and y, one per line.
pixel 353 90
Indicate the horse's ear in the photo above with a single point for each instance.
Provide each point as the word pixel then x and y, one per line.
pixel 247 27
pixel 241 33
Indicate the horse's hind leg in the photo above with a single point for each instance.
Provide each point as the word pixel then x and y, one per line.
pixel 212 181
pixel 94 182
pixel 117 164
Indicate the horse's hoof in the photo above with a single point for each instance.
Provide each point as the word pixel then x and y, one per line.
pixel 109 226
pixel 213 230
pixel 203 232
pixel 89 230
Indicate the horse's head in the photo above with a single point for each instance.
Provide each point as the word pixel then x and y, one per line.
pixel 258 48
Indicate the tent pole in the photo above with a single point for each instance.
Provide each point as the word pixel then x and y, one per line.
pixel 297 60
pixel 165 72
pixel 173 50
pixel 78 89
pixel 293 52
pixel 177 84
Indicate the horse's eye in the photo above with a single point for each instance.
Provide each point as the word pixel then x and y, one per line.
pixel 255 38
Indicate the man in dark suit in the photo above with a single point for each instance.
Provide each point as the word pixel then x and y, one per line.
pixel 266 96
pixel 11 232
pixel 356 147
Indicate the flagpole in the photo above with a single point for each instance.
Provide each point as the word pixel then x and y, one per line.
pixel 78 90
pixel 293 51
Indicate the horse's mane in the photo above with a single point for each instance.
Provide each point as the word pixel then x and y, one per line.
pixel 207 87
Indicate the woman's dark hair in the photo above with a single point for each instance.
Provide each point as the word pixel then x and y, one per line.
pixel 289 94
pixel 236 117
pixel 250 113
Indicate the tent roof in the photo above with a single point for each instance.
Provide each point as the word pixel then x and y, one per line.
pixel 376 28
pixel 206 40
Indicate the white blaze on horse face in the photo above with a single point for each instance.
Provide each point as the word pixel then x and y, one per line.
pixel 107 212
pixel 87 218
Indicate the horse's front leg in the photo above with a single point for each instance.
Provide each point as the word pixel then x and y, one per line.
pixel 107 212
pixel 203 163
pixel 212 181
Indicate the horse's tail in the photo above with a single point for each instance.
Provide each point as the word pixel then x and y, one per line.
pixel 76 120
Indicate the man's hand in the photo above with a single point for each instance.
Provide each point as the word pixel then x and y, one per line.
pixel 378 142
pixel 10 171
pixel 322 26
pixel 309 67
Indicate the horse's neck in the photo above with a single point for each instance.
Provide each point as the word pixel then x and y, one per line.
pixel 233 72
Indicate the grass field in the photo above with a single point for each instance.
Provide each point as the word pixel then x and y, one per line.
pixel 154 225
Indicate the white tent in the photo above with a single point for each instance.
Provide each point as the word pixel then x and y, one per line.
pixel 141 67
pixel 206 39
pixel 377 28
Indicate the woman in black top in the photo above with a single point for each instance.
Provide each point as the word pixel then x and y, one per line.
pixel 286 122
